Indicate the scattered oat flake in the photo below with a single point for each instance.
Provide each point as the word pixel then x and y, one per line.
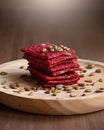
pixel 83 94
pixel 99 91
pixel 14 85
pixel 88 90
pixel 81 84
pixel 72 95
pixel 90 66
pixel 22 67
pixel 57 91
pixel 3 73
pixel 101 88
pixel 81 75
pixel 88 80
pixel 47 92
pixel 21 90
pixel 92 74
pixel 54 94
pixel 100 80
pixel 5 87
pixel 98 71
pixel 27 89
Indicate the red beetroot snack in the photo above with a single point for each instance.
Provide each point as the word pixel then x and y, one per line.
pixel 45 51
pixel 47 83
pixel 52 64
pixel 45 77
pixel 59 71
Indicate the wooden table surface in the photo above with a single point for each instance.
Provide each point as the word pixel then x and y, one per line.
pixel 84 34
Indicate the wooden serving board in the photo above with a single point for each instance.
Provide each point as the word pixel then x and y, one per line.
pixel 42 103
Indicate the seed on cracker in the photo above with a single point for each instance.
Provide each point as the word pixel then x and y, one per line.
pixel 44 50
pixel 42 44
pixel 61 72
pixel 61 45
pixel 59 49
pixel 52 49
pixel 66 48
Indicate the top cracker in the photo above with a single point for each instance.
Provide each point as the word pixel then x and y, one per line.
pixel 47 50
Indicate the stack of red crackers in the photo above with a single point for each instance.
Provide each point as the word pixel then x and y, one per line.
pixel 52 64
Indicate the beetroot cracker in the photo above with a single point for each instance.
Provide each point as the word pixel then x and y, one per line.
pixel 38 50
pixel 46 77
pixel 52 64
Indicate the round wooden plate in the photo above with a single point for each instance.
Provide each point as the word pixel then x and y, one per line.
pixel 42 103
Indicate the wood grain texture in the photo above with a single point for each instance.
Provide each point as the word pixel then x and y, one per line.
pixel 85 35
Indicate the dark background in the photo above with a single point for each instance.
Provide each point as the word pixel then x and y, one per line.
pixel 79 24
